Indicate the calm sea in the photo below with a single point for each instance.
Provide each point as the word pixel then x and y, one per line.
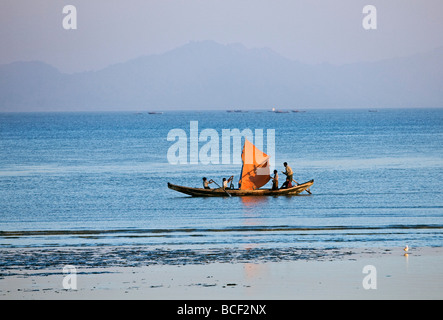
pixel 87 179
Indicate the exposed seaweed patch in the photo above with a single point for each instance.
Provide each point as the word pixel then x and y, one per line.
pixel 102 257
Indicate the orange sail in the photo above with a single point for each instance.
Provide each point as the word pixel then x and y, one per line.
pixel 255 171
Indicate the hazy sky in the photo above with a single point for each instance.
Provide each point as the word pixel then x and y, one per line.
pixel 313 31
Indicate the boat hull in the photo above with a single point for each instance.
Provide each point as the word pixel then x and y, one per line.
pixel 220 192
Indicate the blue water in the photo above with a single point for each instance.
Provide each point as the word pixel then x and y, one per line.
pixel 86 179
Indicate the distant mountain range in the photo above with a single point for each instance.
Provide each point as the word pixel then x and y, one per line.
pixel 208 75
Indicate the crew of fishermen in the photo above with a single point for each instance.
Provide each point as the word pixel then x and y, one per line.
pixel 287 184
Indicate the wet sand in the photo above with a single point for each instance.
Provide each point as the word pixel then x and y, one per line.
pixel 315 274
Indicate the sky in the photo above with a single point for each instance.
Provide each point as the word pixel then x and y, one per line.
pixel 309 31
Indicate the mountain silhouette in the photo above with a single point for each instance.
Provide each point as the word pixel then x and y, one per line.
pixel 209 75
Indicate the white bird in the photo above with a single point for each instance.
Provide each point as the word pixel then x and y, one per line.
pixel 406 248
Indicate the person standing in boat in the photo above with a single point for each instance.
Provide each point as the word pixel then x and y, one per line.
pixel 206 183
pixel 275 180
pixel 289 173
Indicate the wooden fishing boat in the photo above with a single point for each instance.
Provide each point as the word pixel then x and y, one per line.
pixel 255 174
pixel 220 192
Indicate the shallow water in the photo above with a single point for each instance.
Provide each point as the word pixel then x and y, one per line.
pixel 87 179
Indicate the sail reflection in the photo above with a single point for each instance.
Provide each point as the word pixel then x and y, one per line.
pixel 253 201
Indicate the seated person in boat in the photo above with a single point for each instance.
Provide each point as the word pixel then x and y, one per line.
pixel 275 180
pixel 206 183
pixel 225 182
pixel 287 184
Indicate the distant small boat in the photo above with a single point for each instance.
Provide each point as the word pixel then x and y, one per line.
pixel 281 111
pixel 155 112
pixel 278 111
pixel 299 111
